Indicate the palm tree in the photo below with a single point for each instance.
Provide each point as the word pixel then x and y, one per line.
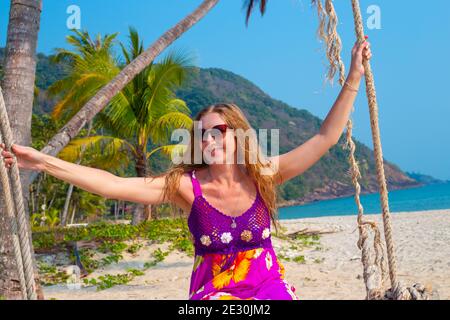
pixel 135 67
pixel 18 86
pixel 92 66
pixel 146 110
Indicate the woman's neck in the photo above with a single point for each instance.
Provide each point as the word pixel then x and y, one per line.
pixel 226 175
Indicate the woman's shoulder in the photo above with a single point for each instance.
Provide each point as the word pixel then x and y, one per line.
pixel 200 174
pixel 186 180
pixel 185 192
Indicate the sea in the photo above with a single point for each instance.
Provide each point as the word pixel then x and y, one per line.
pixel 429 197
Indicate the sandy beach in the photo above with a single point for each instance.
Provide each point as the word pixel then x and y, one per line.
pixel 331 269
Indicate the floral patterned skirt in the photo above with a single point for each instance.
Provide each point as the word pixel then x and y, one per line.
pixel 254 274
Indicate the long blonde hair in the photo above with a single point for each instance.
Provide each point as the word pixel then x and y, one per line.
pixel 234 118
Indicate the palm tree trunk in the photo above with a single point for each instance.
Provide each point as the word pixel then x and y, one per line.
pixel 73 214
pixel 18 86
pixel 33 207
pixel 104 96
pixel 147 212
pixel 70 189
pixel 38 190
pixel 66 205
pixel 51 201
pixel 141 212
pixel 44 211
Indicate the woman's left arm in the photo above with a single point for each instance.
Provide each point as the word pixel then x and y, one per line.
pixel 300 159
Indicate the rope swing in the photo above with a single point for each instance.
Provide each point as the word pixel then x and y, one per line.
pixel 374 269
pixel 15 211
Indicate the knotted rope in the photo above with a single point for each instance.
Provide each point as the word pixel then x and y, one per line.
pixel 327 31
pixel 15 209
pixel 378 154
pixel 374 271
pixel 397 291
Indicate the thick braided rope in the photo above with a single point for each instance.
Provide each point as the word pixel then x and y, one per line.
pixel 10 215
pixel 24 238
pixel 397 291
pixel 373 273
pixel 373 110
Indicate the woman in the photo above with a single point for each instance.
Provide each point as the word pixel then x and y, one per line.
pixel 231 205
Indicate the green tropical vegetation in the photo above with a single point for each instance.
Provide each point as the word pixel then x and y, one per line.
pixel 109 242
pixel 146 110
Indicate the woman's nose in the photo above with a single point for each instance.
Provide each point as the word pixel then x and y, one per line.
pixel 208 137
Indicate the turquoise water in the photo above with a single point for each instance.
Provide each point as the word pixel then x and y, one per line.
pixel 432 197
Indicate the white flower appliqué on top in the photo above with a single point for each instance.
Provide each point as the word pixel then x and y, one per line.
pixel 226 237
pixel 265 233
pixel 205 239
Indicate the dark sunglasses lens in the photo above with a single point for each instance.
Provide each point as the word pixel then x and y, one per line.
pixel 221 127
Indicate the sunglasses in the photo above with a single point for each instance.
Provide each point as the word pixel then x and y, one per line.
pixel 221 127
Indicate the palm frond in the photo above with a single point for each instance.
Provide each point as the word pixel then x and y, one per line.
pixel 169 150
pixel 249 5
pixel 119 119
pixel 163 79
pixel 103 152
pixel 178 105
pixel 59 108
pixel 125 53
pixel 136 45
pixel 161 129
pixel 135 49
pixel 83 89
pixel 62 54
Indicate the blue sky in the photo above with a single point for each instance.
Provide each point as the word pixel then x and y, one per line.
pixel 281 54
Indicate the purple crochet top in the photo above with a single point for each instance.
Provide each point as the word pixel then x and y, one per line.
pixel 216 232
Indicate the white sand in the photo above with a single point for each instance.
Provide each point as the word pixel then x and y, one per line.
pixel 331 271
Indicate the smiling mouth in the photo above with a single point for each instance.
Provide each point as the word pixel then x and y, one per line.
pixel 215 150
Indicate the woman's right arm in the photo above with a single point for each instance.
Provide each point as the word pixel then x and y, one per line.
pixel 97 181
pixel 105 184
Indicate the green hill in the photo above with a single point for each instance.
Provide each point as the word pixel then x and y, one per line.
pixel 327 179
pixel 423 178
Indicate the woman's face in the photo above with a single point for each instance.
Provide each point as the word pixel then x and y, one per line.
pixel 216 144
